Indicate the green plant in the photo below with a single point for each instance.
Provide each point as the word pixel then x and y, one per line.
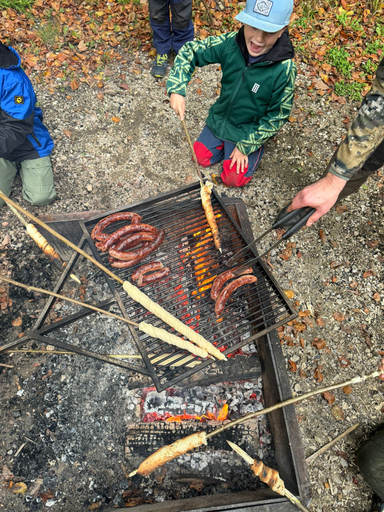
pixel 369 66
pixel 338 57
pixel 380 30
pixel 373 5
pixel 374 46
pixel 18 5
pixel 50 32
pixel 342 18
pixel 352 91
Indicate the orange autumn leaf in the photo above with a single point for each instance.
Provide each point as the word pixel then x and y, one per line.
pixel 75 84
pixel 318 343
pixel 289 293
pixel 292 366
pixel 318 375
pixel 116 119
pixel 17 322
pixel 329 397
pixel 338 317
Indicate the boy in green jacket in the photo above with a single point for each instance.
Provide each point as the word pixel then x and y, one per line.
pixel 256 88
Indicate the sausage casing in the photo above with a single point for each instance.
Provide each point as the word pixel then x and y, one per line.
pixel 144 269
pixel 126 230
pixel 139 253
pixel 97 233
pixel 154 277
pixel 221 279
pixel 229 289
pixel 134 240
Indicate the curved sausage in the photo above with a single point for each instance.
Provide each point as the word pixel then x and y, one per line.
pixel 134 240
pixel 139 253
pixel 229 289
pixel 144 269
pixel 154 277
pixel 123 264
pixel 221 279
pixel 97 234
pixel 126 230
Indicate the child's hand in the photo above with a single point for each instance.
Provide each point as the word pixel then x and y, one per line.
pixel 240 160
pixel 178 104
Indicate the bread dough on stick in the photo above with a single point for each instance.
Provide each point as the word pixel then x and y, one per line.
pixel 205 194
pixel 161 334
pixel 170 452
pixel 140 297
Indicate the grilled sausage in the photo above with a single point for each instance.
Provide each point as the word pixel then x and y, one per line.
pixel 221 279
pixel 123 264
pixel 126 230
pixel 139 253
pixel 229 289
pixel 97 231
pixel 154 277
pixel 144 269
pixel 134 240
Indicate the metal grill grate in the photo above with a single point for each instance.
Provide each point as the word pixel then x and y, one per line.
pixel 189 251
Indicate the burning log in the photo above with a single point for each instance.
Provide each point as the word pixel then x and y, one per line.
pixel 136 293
pixel 355 380
pixel 205 193
pixel 268 475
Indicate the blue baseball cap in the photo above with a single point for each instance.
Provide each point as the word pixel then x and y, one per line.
pixel 267 15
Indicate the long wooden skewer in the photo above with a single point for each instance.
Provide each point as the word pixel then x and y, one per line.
pixel 132 291
pixel 280 405
pixel 269 476
pixel 205 193
pixel 154 332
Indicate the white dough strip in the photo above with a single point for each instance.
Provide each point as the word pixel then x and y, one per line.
pixel 171 339
pixel 169 319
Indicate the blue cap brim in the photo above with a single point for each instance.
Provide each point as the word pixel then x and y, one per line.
pixel 245 18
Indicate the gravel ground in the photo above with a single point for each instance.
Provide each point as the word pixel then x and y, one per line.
pixel 334 270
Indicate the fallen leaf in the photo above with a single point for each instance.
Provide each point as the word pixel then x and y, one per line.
pixel 100 96
pixel 292 366
pixel 343 362
pixel 368 273
pixel 116 119
pixel 320 322
pixel 19 488
pixel 376 297
pixel 75 84
pixel 17 322
pixel 100 84
pixel 329 397
pixel 82 46
pixel 67 133
pixel 45 496
pixel 318 375
pixel 302 374
pixel 322 236
pixel 285 255
pixel 337 413
pixel 338 317
pixel 318 343
pixel 289 293
pixel 94 506
pixel 341 208
pixel 347 389
pixel 47 375
pixel 5 474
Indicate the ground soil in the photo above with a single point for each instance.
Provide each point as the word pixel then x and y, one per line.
pixel 72 412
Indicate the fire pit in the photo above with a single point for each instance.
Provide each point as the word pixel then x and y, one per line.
pixel 246 334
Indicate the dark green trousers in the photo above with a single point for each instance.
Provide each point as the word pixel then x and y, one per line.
pixel 370 459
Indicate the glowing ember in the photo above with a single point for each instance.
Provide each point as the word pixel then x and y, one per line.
pixel 223 414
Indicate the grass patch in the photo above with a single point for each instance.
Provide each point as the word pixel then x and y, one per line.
pixel 338 57
pixel 50 32
pixel 352 91
pixel 18 5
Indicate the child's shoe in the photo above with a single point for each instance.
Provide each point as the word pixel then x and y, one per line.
pixel 159 68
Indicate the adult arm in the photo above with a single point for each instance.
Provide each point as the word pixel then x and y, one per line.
pixel 363 137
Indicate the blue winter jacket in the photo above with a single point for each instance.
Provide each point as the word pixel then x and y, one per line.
pixel 23 135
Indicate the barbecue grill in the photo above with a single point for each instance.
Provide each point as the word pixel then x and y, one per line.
pixel 189 251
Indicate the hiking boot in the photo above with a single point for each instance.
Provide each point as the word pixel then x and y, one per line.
pixel 159 67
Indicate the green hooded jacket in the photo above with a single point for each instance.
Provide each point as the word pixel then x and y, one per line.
pixel 255 99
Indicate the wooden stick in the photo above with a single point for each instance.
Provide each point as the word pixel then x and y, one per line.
pixel 208 11
pixel 6 365
pixel 331 443
pixel 166 317
pixel 61 352
pixel 62 297
pixel 154 332
pixel 269 476
pixel 291 401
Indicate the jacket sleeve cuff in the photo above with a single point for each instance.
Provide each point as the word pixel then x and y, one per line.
pixel 336 171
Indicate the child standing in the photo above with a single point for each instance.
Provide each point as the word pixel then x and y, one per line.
pixel 258 76
pixel 169 36
pixel 25 143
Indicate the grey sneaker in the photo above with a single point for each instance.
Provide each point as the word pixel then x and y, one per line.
pixel 159 68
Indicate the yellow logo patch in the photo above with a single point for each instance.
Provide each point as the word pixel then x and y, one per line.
pixel 19 100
